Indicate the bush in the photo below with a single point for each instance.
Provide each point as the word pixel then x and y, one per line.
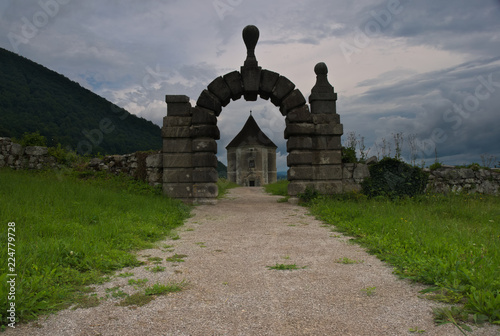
pixel 33 139
pixel 393 178
pixel 63 156
pixel 349 155
pixel 435 165
pixel 308 195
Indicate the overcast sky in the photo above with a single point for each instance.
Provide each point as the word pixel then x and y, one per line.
pixel 429 69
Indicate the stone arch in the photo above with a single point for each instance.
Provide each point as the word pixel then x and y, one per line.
pixel 312 132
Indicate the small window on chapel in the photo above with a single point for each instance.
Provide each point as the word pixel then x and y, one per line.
pixel 251 164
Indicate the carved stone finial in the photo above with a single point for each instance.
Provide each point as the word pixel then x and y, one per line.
pixel 321 69
pixel 250 37
pixel 322 90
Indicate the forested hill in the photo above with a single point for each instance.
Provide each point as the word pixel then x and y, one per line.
pixel 34 98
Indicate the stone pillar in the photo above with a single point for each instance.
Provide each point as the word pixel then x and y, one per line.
pixel 300 132
pixel 327 157
pixel 204 147
pixel 177 149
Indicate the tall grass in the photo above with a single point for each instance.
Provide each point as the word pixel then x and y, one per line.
pixel 278 188
pixel 449 242
pixel 70 231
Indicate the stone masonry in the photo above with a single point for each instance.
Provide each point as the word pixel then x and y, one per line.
pixel 312 132
pixel 143 166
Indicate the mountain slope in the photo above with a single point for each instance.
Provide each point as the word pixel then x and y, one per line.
pixel 34 98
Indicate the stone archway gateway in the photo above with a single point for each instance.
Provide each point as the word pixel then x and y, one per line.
pixel 312 131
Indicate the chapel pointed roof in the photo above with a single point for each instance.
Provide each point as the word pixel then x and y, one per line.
pixel 251 134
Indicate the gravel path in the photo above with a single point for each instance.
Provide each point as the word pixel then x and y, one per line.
pixel 232 292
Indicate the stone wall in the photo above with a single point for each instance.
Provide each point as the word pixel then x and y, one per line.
pixel 143 166
pixel 15 156
pixel 451 179
pixel 442 180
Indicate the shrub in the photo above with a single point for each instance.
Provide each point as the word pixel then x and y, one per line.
pixel 63 156
pixel 393 178
pixel 435 165
pixel 349 155
pixel 33 139
pixel 308 195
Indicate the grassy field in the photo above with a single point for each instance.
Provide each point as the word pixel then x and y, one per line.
pixel 71 230
pixel 451 243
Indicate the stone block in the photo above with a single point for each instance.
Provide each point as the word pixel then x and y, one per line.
pixel 205 175
pixel 204 145
pixel 360 172
pixel 204 159
pixel 205 190
pixel 323 187
pixel 209 101
pixel 328 172
pixel 178 160
pixel 178 190
pixel 299 142
pixel 202 116
pixel 327 157
pixel 329 129
pixel 251 80
pixel 323 106
pixel 267 81
pixel 293 100
pixel 36 150
pixel 299 129
pixel 171 121
pixel 296 158
pixel 176 99
pixel 329 187
pixel 326 142
pixel 300 173
pixel 221 90
pixel 16 149
pixel 298 187
pixel 281 89
pixel 176 175
pixel 178 107
pixel 154 160
pixel 205 131
pixel 176 132
pixel 299 115
pixel 325 118
pixel 172 145
pixel 235 84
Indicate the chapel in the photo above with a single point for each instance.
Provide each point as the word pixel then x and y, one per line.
pixel 251 157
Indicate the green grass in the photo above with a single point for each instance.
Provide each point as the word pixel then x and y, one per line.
pixel 73 228
pixel 285 267
pixel 451 243
pixel 224 185
pixel 279 188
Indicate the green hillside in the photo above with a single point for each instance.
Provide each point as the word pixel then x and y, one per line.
pixel 34 98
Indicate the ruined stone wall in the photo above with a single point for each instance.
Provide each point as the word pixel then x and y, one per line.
pixel 442 180
pixel 15 156
pixel 451 179
pixel 144 166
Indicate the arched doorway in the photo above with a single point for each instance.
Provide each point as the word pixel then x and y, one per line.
pixel 312 131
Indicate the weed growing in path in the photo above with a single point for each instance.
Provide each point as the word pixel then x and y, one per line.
pixel 285 267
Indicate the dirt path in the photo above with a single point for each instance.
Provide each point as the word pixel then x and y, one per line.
pixel 232 292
